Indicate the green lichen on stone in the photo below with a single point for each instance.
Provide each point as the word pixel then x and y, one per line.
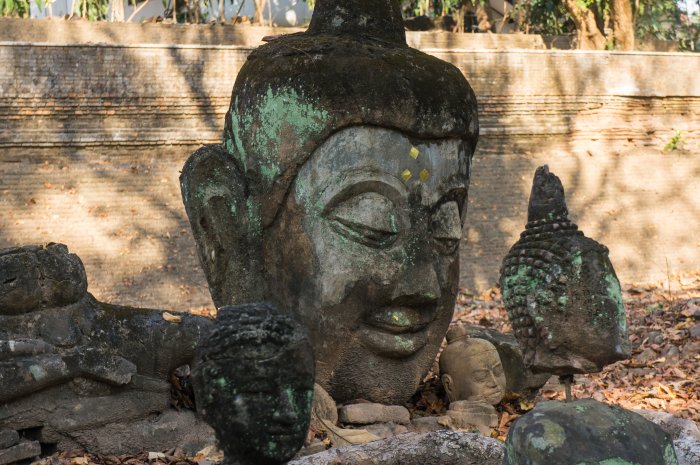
pixel 615 293
pixel 553 436
pixel 581 408
pixel 577 263
pixel 279 111
pixel 520 278
pixel 670 455
pixel 229 145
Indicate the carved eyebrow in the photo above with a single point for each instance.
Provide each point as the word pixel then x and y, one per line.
pixel 356 182
pixel 454 194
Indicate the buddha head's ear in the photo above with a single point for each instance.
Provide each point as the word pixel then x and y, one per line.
pixel 225 220
pixel 449 386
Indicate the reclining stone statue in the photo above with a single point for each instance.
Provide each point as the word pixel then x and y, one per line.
pixel 254 384
pixel 78 373
pixel 339 193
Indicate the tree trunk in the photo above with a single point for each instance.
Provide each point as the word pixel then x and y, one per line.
pixel 589 36
pixel 623 24
pixel 461 13
pixel 482 17
pixel 259 12
pixel 117 7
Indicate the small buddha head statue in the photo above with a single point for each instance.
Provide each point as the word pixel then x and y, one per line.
pixel 471 370
pixel 254 384
pixel 340 192
pixel 561 291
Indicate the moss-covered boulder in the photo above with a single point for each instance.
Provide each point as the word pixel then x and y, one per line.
pixel 586 432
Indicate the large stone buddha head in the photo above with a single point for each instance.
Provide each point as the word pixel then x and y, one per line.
pixel 339 194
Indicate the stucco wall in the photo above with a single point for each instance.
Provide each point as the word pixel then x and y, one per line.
pixel 92 138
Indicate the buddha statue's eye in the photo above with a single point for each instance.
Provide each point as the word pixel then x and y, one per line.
pixel 367 218
pixel 498 370
pixel 447 228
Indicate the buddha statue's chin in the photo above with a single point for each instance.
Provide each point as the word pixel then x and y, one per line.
pixel 365 252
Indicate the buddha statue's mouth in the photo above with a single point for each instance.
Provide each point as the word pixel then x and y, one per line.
pixel 397 331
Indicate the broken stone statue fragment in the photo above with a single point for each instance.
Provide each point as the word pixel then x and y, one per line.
pixel 586 432
pixel 520 380
pixel 254 384
pixel 560 289
pixel 78 373
pixel 471 369
pixel 474 380
pixel 340 197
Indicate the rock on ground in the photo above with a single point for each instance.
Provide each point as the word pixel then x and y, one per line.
pixel 23 450
pixel 435 448
pixel 8 438
pixel 368 413
pixel 684 433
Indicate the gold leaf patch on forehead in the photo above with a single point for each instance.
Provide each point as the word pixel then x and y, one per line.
pixel 414 153
pixel 406 175
pixel 424 175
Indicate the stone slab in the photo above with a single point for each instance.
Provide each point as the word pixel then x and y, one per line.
pixel 368 413
pixel 23 450
pixel 435 448
pixel 8 438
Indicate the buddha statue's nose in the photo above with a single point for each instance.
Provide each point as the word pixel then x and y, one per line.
pixel 418 284
pixel 285 413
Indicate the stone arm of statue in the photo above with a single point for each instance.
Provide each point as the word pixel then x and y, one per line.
pixel 52 331
pixel 30 365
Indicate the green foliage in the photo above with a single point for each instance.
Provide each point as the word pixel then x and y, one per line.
pixel 665 20
pixel 93 10
pixel 548 17
pixel 14 8
pixel 675 143
pixel 660 19
pixel 438 7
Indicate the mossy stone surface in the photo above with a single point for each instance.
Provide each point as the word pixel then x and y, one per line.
pixel 586 432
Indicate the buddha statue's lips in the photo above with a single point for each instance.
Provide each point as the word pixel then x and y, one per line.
pixel 401 319
pixel 282 431
pixel 399 331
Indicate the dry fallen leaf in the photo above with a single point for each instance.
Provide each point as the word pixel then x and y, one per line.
pixel 347 437
pixel 171 318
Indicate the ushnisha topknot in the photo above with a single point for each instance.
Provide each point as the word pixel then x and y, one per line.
pixel 257 325
pixel 351 67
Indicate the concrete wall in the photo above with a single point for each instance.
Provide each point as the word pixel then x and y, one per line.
pixel 92 139
pixel 81 32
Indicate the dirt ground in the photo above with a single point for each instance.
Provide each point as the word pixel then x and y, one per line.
pixel 663 373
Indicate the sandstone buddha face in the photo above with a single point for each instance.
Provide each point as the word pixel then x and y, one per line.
pixel 472 370
pixel 365 252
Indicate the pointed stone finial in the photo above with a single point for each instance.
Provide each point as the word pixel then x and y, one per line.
pixel 379 19
pixel 547 200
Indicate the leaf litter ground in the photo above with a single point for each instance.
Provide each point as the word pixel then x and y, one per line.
pixel 663 373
